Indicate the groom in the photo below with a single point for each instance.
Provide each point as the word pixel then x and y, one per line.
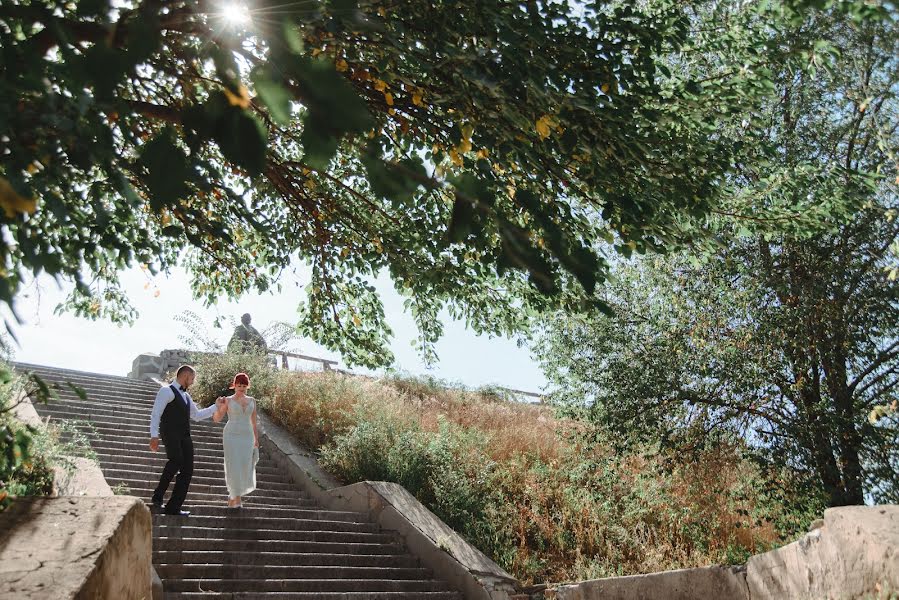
pixel 172 411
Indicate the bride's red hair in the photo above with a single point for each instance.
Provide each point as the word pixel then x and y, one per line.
pixel 240 379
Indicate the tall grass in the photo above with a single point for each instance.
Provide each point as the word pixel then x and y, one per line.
pixel 545 497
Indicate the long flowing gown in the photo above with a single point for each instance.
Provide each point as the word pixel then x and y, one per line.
pixel 238 440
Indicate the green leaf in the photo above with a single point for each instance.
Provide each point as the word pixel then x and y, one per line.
pixel 144 37
pixel 168 170
pixel 293 37
pixel 319 143
pixel 242 139
pixel 473 196
pixel 397 182
pixel 78 391
pixel 273 94
pixel 330 98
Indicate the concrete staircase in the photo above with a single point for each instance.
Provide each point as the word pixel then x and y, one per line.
pixel 280 545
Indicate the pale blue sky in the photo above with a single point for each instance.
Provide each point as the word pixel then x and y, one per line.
pixel 103 347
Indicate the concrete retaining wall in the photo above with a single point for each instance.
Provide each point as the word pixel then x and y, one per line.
pixel 438 547
pixel 709 583
pixel 82 548
pixel 853 555
pixel 86 480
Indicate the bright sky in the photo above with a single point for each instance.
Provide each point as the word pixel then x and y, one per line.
pixel 103 347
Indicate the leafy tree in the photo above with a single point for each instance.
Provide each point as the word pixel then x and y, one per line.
pixel 477 151
pixel 787 335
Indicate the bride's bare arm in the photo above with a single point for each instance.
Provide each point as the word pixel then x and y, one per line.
pixel 255 431
pixel 219 413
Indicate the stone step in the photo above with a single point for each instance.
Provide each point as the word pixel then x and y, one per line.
pixel 303 585
pixel 140 436
pixel 238 521
pixel 220 509
pixel 199 483
pixel 199 431
pixel 135 441
pixel 282 559
pixel 141 454
pixel 285 513
pixel 62 375
pixel 104 403
pixel 98 389
pixel 139 487
pixel 183 527
pixel 106 398
pixel 257 498
pixel 122 419
pixel 143 488
pixel 152 473
pixel 313 596
pixel 105 406
pixel 198 479
pixel 136 426
pixel 154 464
pixel 209 467
pixel 202 545
pixel 110 397
pixel 239 571
pixel 94 409
pixel 132 432
pixel 195 502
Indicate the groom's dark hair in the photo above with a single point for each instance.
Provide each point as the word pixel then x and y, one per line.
pixel 184 368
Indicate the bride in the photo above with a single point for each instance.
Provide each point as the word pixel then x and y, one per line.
pixel 240 440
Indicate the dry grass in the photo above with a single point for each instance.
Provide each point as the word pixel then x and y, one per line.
pixel 512 428
pixel 529 489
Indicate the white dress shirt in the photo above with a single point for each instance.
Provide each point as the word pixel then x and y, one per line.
pixel 166 395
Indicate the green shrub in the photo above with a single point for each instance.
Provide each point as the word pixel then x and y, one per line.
pixel 216 371
pixel 28 455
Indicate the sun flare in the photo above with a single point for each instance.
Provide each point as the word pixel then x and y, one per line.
pixel 236 14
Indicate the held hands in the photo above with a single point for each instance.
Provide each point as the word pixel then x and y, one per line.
pixel 221 406
pixel 154 444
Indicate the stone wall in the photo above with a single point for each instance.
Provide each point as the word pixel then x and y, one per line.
pixel 148 366
pixel 85 480
pixel 83 548
pixel 853 555
pixel 708 583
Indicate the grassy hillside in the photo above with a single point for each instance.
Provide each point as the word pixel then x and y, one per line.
pixel 545 497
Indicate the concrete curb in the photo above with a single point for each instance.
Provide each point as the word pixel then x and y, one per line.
pixel 390 505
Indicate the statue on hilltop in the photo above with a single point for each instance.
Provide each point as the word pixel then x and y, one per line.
pixel 247 338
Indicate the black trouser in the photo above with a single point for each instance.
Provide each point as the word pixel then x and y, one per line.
pixel 180 451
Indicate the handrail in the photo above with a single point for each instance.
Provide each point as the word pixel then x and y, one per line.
pixel 284 354
pixel 522 392
pixel 329 364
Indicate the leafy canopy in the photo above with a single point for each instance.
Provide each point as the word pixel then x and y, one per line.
pixel 786 332
pixel 481 153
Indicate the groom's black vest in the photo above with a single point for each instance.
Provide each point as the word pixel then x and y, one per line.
pixel 175 421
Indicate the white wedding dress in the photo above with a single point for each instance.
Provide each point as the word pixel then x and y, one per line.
pixel 240 455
